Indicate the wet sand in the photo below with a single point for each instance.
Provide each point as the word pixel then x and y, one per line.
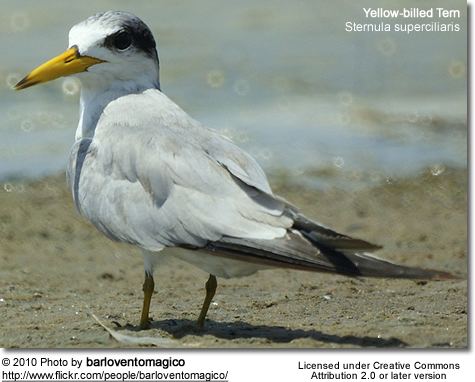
pixel 55 270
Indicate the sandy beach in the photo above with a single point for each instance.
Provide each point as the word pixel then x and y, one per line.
pixel 56 269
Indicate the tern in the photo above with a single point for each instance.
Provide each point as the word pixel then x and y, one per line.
pixel 143 172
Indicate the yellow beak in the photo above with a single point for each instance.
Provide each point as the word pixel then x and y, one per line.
pixel 66 63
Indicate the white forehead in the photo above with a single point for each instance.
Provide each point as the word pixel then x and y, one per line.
pixel 96 28
pixel 85 36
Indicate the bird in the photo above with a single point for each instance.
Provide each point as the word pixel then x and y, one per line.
pixel 144 172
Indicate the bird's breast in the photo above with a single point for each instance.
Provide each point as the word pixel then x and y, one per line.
pixel 116 205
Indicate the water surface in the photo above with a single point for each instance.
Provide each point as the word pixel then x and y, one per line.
pixel 283 79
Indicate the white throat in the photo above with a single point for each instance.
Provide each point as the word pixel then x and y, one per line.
pixel 97 92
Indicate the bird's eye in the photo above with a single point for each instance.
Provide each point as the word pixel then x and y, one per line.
pixel 122 40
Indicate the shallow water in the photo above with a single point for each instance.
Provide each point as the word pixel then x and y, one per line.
pixel 283 79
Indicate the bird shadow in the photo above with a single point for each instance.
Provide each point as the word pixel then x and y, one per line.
pixel 276 334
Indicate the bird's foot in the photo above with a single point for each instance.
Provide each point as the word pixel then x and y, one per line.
pixel 145 324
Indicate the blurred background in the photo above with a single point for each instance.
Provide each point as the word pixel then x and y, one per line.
pixel 283 79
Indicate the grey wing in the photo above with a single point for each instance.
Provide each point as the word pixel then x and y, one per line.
pixel 160 190
pixel 306 245
pixel 239 163
pixel 246 170
pixel 240 169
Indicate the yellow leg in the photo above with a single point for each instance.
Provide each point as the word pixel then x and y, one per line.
pixel 148 288
pixel 211 285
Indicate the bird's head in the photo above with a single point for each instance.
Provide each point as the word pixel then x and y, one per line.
pixel 107 48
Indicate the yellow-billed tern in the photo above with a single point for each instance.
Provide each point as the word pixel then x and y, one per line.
pixel 144 172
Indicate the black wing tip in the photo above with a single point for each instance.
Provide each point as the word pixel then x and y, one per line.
pixel 368 265
pixel 422 274
pixel 372 246
pixel 357 244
